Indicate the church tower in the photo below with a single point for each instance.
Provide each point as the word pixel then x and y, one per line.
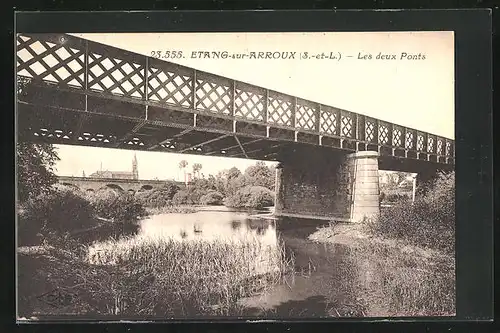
pixel 135 170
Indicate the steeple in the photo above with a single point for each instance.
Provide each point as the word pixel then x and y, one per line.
pixel 135 169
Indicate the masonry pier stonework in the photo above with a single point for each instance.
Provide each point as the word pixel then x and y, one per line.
pixel 337 186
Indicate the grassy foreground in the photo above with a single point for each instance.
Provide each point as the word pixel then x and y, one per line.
pixel 152 277
pixel 397 278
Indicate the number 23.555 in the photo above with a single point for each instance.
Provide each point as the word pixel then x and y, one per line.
pixel 167 54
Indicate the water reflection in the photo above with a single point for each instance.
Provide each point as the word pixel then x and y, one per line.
pixel 209 226
pixel 235 225
pixel 325 274
pixel 109 230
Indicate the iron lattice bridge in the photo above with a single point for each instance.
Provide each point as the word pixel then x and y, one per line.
pixel 78 92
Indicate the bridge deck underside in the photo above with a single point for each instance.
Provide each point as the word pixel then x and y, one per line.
pixel 175 132
pixel 64 117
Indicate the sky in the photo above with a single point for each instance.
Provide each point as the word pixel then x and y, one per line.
pixel 417 93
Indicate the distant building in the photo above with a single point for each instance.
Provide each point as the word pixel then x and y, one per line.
pixel 134 174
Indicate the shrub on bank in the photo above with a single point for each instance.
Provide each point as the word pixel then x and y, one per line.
pixel 121 207
pixel 212 198
pixel 403 283
pixel 395 197
pixel 250 197
pixel 190 196
pixel 182 198
pixel 160 197
pixel 62 210
pixel 428 222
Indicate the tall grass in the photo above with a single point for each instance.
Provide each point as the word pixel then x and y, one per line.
pixel 167 278
pixel 414 262
pixel 428 222
pixel 400 283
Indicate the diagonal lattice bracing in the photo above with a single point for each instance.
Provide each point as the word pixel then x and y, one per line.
pixel 135 141
pixel 370 130
pixel 96 138
pixel 430 144
pixel 439 146
pixel 328 122
pixel 213 97
pixel 248 104
pixel 305 117
pixel 346 125
pixel 397 136
pixel 169 87
pixel 168 145
pixel 420 142
pixel 55 63
pixel 383 134
pixel 280 110
pixel 52 134
pixel 448 148
pixel 116 76
pixel 69 62
pixel 409 140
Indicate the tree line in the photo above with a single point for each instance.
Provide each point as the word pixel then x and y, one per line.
pixel 252 188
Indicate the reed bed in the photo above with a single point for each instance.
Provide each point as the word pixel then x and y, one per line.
pixel 166 277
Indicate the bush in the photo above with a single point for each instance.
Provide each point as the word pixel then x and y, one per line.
pixel 191 195
pixel 181 198
pixel 160 197
pixel 60 211
pixel 122 207
pixel 251 197
pixel 212 198
pixel 428 222
pixel 396 197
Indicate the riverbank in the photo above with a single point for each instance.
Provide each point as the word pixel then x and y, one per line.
pixel 395 277
pixel 145 277
pixel 151 274
pixel 183 209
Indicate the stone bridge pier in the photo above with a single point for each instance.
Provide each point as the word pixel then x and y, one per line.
pixel 328 185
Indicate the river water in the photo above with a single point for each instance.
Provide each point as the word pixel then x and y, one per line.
pixel 321 286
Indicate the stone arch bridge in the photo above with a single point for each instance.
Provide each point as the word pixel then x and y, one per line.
pixel 95 184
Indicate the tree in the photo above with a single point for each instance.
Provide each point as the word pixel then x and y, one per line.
pixel 182 166
pixel 35 169
pixel 196 169
pixel 260 175
pixel 232 173
pixel 218 182
pixel 400 176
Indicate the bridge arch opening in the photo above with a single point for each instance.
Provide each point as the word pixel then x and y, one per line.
pixel 146 188
pixel 90 190
pixel 114 187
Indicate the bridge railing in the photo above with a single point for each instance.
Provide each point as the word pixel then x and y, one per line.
pixel 73 63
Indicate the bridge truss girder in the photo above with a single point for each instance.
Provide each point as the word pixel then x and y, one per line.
pixel 85 93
